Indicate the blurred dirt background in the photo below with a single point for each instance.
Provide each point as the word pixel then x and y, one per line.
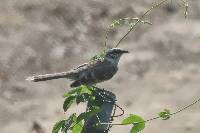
pixel 47 36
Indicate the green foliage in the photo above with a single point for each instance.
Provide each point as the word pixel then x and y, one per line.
pixel 86 115
pixel 72 92
pixel 165 115
pixel 58 126
pixel 82 98
pixel 79 94
pixel 98 57
pixel 130 22
pixel 123 21
pixel 137 122
pixel 71 123
pixel 78 127
pixel 64 125
pixel 78 90
pixel 68 102
pixel 75 123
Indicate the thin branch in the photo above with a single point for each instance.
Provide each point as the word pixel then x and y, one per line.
pixel 121 110
pixel 106 39
pixel 186 5
pixel 186 107
pixel 154 118
pixel 140 19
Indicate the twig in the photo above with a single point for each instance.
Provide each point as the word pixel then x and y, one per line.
pixel 140 19
pixel 186 107
pixel 186 5
pixel 106 39
pixel 121 110
pixel 154 118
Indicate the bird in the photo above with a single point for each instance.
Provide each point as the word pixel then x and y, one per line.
pixel 88 74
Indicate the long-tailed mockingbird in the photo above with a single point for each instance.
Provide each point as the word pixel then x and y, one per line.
pixel 88 73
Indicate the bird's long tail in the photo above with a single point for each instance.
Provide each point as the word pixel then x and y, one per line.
pixel 48 77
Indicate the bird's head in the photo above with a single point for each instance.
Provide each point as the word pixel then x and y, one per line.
pixel 114 54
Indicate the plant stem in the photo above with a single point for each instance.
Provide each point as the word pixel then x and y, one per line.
pixel 186 107
pixel 154 118
pixel 140 19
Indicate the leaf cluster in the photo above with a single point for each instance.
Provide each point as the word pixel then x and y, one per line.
pixel 130 22
pixel 98 57
pixel 75 122
pixel 165 115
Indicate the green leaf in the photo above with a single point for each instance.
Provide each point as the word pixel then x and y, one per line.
pixel 78 90
pixel 64 125
pixel 132 119
pixel 137 121
pixel 68 102
pixel 165 115
pixel 137 127
pixel 78 127
pixel 82 98
pixel 87 115
pixel 68 123
pixel 72 92
pixel 85 89
pixel 57 127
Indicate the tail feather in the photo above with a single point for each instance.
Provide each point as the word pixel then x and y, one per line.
pixel 50 76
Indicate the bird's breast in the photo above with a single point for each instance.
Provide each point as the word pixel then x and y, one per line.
pixel 103 72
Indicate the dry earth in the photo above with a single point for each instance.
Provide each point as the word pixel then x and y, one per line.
pixel 45 36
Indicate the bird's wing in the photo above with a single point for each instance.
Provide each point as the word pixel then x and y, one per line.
pixel 95 73
pixel 76 73
pixel 87 66
pixel 103 71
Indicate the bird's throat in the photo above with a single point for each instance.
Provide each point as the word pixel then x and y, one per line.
pixel 114 62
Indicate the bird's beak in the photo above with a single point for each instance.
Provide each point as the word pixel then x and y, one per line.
pixel 124 51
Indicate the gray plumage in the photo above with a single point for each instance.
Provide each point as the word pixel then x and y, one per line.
pixel 88 73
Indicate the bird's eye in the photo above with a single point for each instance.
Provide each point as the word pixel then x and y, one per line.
pixel 112 56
